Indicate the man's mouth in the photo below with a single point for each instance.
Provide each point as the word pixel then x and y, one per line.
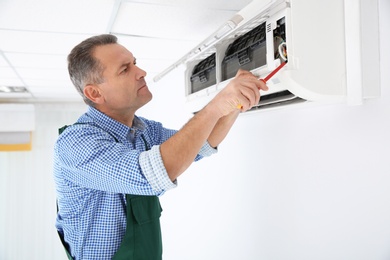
pixel 143 85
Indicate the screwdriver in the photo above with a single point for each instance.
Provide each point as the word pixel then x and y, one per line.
pixel 268 77
pixel 274 72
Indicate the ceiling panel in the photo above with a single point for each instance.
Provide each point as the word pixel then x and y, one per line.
pixel 3 62
pixel 55 84
pixel 13 82
pixel 70 16
pixel 168 21
pixel 38 42
pixel 155 48
pixel 37 61
pixel 36 37
pixel 42 74
pixel 49 90
pixel 7 72
pixel 201 4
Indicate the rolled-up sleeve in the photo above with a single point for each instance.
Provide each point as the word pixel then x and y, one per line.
pixel 154 170
pixel 207 150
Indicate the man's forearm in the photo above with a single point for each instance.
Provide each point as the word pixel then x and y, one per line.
pixel 179 151
pixel 222 128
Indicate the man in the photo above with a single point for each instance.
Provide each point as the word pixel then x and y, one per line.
pixel 111 166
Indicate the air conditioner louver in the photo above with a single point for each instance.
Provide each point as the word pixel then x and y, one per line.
pixel 277 99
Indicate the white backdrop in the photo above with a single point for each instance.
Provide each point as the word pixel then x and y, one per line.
pixel 311 183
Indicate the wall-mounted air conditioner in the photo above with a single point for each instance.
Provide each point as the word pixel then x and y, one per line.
pixel 332 48
pixel 17 124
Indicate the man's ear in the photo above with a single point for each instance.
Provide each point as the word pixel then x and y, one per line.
pixel 93 93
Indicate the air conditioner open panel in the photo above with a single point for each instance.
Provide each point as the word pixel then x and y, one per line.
pixel 267 34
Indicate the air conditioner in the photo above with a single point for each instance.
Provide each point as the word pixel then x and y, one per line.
pixel 332 48
pixel 17 124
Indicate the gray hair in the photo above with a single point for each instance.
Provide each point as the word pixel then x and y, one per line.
pixel 83 67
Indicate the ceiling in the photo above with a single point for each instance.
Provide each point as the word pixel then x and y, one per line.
pixel 36 37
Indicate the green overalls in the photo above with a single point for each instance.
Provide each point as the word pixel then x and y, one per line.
pixel 142 240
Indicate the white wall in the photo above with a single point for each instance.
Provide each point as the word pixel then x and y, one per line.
pixel 296 184
pixel 27 193
pixel 310 183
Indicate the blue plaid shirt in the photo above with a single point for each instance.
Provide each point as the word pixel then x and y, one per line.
pixel 96 162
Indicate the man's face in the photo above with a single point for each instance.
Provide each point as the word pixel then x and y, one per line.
pixel 124 85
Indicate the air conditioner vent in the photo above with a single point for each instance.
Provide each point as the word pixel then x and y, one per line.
pixel 276 99
pixel 269 28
